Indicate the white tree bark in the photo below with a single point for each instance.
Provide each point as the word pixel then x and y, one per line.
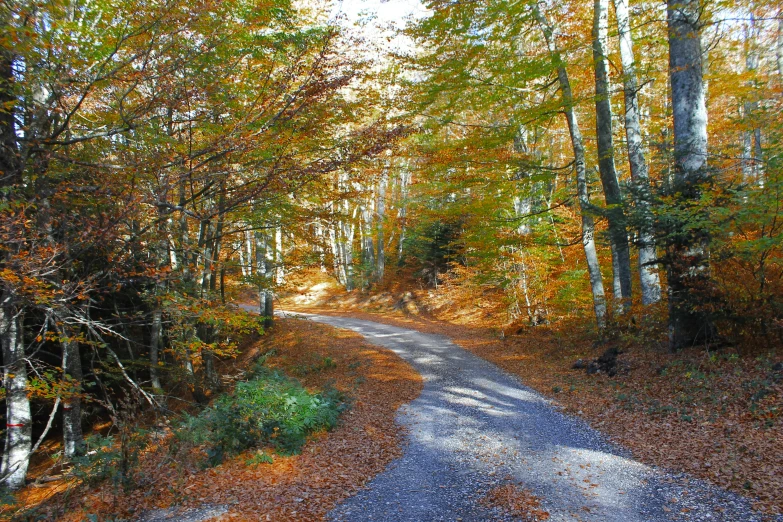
pixel 588 225
pixel 648 272
pixel 18 435
pixel 278 258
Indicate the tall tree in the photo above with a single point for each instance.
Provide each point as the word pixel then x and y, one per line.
pixel 588 222
pixel 640 180
pixel 618 233
pixel 688 255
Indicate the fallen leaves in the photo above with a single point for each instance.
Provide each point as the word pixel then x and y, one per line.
pixel 331 467
pixel 517 502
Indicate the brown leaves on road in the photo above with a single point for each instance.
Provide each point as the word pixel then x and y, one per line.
pixel 517 502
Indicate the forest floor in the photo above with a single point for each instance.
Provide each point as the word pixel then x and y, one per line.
pixel 717 416
pixel 306 486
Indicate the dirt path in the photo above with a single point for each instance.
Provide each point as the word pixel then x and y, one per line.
pixel 475 428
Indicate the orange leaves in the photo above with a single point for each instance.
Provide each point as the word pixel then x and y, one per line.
pixel 516 502
pixel 304 487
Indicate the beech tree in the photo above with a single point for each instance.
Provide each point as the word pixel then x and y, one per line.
pixel 688 262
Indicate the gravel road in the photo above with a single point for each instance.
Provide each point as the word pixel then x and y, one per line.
pixel 475 427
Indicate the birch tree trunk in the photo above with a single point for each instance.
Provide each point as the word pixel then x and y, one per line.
pixel 688 261
pixel 648 273
pixel 618 234
pixel 588 224
pixel 18 434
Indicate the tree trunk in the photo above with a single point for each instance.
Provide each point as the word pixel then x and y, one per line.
pixel 648 273
pixel 618 234
pixel 380 212
pixel 156 339
pixel 588 225
pixel 337 259
pixel 403 213
pixel 264 272
pixel 348 230
pixel 751 150
pixel 688 261
pixel 779 46
pixel 73 440
pixel 368 245
pixel 9 160
pixel 18 435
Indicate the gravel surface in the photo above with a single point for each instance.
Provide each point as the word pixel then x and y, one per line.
pixel 475 427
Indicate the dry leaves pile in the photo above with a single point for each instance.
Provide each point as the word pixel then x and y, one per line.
pixel 517 502
pixel 716 416
pixel 301 487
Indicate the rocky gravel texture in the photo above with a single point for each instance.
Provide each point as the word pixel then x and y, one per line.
pixel 475 427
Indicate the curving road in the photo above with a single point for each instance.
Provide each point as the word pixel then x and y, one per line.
pixel 475 427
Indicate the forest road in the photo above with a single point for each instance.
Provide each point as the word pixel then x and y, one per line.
pixel 475 427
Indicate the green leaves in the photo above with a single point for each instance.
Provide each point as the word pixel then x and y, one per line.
pixel 269 409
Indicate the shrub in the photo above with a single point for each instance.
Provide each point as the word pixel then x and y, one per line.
pixel 270 409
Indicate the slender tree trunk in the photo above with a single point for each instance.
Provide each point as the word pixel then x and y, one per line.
pixel 337 258
pixel 751 151
pixel 588 225
pixel 618 234
pixel 249 252
pixel 156 340
pixel 348 229
pixel 688 256
pixel 648 273
pixel 18 435
pixel 380 212
pixel 402 216
pixel 9 152
pixel 243 264
pixel 184 238
pixel 205 248
pixel 278 259
pixel 779 46
pixel 368 245
pixel 264 272
pixel 73 440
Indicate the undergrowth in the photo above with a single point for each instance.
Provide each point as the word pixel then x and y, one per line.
pixel 269 409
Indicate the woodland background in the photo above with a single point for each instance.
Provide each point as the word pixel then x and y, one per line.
pixel 552 163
